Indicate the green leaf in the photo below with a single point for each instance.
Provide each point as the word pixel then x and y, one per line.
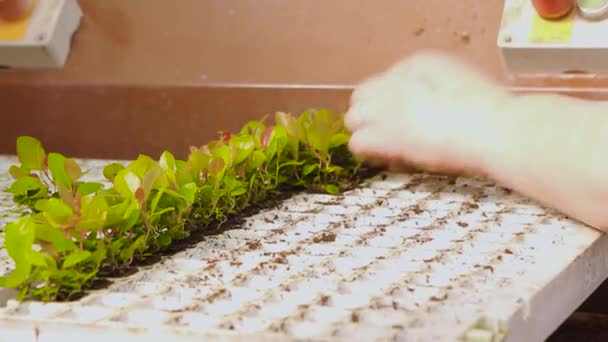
pixel 198 161
pixel 66 196
pixel 223 152
pixel 100 253
pixel 289 123
pixel 57 212
pixel 55 237
pixel 293 163
pixel 338 139
pixel 111 170
pixel 73 169
pixel 30 153
pixel 151 179
pixel 257 159
pixel 126 183
pixel 156 199
pixel 238 191
pixel 139 244
pixel 141 165
pixel 75 258
pixel 37 258
pixel 242 147
pixel 254 129
pixel 332 189
pixel 16 172
pixel 164 240
pixel 318 136
pixel 28 186
pixel 308 169
pixel 189 192
pixel 167 164
pixel 93 214
pixel 41 204
pixel 56 163
pixel 278 142
pixel 167 161
pixel 87 188
pixel 124 214
pixel 216 167
pixel 18 241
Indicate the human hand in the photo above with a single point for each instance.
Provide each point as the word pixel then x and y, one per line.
pixel 428 111
pixel 13 9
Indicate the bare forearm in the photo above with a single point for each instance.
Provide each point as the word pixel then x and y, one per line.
pixel 553 149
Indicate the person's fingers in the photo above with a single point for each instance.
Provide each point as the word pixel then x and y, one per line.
pixel 367 111
pixel 13 9
pixel 356 117
pixel 373 141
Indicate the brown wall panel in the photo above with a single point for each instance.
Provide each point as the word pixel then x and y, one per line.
pixel 198 42
pixel 148 75
pixel 122 121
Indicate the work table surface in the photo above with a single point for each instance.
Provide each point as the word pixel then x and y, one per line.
pixel 411 257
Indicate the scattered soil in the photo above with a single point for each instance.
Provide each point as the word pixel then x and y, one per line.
pixel 417 209
pixel 253 245
pixel 325 237
pixel 281 258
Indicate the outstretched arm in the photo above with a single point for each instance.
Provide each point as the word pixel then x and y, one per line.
pixel 441 115
pixel 554 149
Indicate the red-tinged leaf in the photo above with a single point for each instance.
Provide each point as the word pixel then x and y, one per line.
pixel 17 172
pixel 216 166
pixel 73 169
pixel 140 195
pixel 225 136
pixel 267 135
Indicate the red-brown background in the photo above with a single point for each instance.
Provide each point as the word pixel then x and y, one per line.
pixel 148 75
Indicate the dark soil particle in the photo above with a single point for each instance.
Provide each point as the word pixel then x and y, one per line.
pixel 281 258
pixel 471 205
pixel 253 245
pixel 417 210
pixel 324 237
pixel 324 300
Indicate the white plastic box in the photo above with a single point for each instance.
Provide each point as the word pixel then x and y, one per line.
pixel 531 45
pixel 44 39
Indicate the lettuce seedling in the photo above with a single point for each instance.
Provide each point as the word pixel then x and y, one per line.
pixel 72 232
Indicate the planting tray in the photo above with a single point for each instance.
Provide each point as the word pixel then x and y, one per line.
pixel 411 257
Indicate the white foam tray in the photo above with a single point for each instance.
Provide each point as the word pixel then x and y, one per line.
pixel 415 258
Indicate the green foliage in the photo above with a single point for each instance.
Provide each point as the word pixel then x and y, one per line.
pixel 71 231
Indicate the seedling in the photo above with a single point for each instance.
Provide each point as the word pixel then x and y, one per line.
pixel 70 232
